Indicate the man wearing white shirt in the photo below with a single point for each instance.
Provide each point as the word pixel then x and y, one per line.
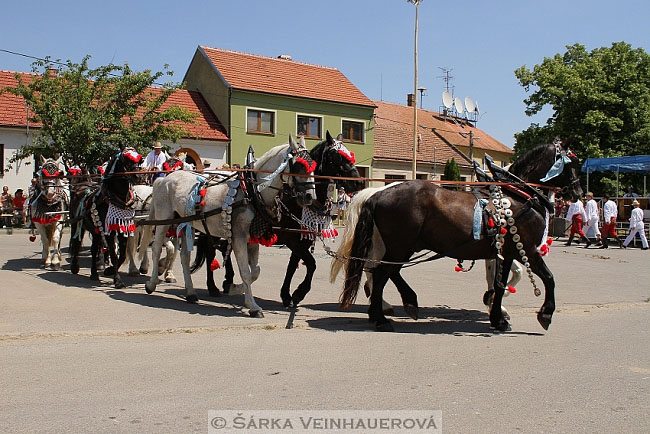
pixel 591 209
pixel 610 212
pixel 636 225
pixel 576 215
pixel 155 160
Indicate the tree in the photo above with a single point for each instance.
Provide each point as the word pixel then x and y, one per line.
pixel 86 114
pixel 452 172
pixel 601 99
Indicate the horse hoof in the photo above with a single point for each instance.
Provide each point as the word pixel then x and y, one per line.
pixel 286 301
pixel 74 269
pixel 503 326
pixel 144 271
pixel 411 311
pixel 505 314
pixel 109 271
pixel 149 288
pixel 192 299
pixel 56 267
pixel 119 285
pixel 214 292
pixel 389 311
pixel 94 277
pixel 133 273
pixel 256 314
pixel 226 286
pixel 384 327
pixel 544 319
pixel 170 279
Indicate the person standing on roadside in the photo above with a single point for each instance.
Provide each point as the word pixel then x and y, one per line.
pixel 591 209
pixel 636 225
pixel 610 212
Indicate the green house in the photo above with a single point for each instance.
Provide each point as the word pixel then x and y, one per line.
pixel 261 100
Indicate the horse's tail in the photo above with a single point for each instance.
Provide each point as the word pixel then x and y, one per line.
pixel 201 245
pixel 362 242
pixel 351 218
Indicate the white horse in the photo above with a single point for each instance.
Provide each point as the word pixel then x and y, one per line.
pixel 46 205
pixel 142 195
pixel 180 192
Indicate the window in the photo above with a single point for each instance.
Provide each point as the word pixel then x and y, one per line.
pixel 352 131
pixel 309 126
pixel 389 178
pixel 260 122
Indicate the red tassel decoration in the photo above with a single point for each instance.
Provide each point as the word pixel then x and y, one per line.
pixel 549 241
pixel 490 223
pixel 504 231
pixel 32 238
pixel 512 289
pixel 202 203
pixel 215 265
pixel 458 269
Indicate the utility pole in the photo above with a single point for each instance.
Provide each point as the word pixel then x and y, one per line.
pixel 415 90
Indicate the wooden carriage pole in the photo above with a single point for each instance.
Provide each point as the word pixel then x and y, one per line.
pixel 415 90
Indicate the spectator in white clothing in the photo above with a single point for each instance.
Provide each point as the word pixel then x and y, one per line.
pixel 591 222
pixel 155 160
pixel 610 212
pixel 636 225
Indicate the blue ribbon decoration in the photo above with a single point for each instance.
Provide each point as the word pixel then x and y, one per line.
pixel 190 208
pixel 477 222
pixel 557 168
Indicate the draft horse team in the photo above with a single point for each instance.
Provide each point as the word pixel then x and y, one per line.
pixel 285 197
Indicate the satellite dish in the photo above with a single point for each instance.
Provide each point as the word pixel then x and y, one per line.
pixel 469 104
pixel 447 100
pixel 478 112
pixel 459 105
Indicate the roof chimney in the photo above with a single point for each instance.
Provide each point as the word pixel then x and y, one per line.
pixel 284 57
pixel 410 99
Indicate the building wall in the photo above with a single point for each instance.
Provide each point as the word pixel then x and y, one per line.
pixel 20 175
pixel 216 153
pixel 202 76
pixel 286 111
pixel 387 169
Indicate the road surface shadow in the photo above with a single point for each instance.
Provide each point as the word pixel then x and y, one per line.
pixel 432 320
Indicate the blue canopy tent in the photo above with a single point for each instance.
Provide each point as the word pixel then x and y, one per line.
pixel 634 163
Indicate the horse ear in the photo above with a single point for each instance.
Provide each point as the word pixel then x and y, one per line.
pixel 43 160
pixel 292 144
pixel 329 138
pixel 301 142
pixel 339 137
pixel 59 161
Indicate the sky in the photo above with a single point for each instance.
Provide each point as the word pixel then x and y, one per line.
pixel 370 41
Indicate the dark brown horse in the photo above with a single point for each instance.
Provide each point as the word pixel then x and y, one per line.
pixel 441 220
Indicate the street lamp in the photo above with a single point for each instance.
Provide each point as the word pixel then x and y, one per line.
pixel 415 89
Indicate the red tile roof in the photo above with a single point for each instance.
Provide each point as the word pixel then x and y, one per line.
pixel 394 135
pixel 284 77
pixel 207 126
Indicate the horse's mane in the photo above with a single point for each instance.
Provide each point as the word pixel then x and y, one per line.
pixel 272 153
pixel 528 162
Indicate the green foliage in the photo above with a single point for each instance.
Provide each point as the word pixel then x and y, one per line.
pixel 452 173
pixel 601 99
pixel 88 114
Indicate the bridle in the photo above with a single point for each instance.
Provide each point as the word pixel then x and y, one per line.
pixel 49 177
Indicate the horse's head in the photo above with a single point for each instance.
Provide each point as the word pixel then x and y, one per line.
pixel 554 165
pixel 334 159
pixel 49 179
pixel 175 162
pixel 127 161
pixel 301 163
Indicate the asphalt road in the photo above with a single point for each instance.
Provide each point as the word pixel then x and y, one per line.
pixel 77 356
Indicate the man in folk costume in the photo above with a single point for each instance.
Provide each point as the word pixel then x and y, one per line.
pixel 636 225
pixel 610 212
pixel 591 209
pixel 155 160
pixel 576 215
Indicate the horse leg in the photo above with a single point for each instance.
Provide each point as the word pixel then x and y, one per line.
pixel 190 293
pixel 285 291
pixel 171 250
pixel 73 248
pixel 115 261
pixel 253 261
pixel 490 276
pixel 242 249
pixel 229 276
pixel 45 242
pixel 144 263
pixel 159 237
pixel 94 254
pixel 210 252
pixel 538 267
pixel 305 286
pixel 409 297
pixel 55 245
pixel 375 311
pixel 131 246
pixel 496 315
